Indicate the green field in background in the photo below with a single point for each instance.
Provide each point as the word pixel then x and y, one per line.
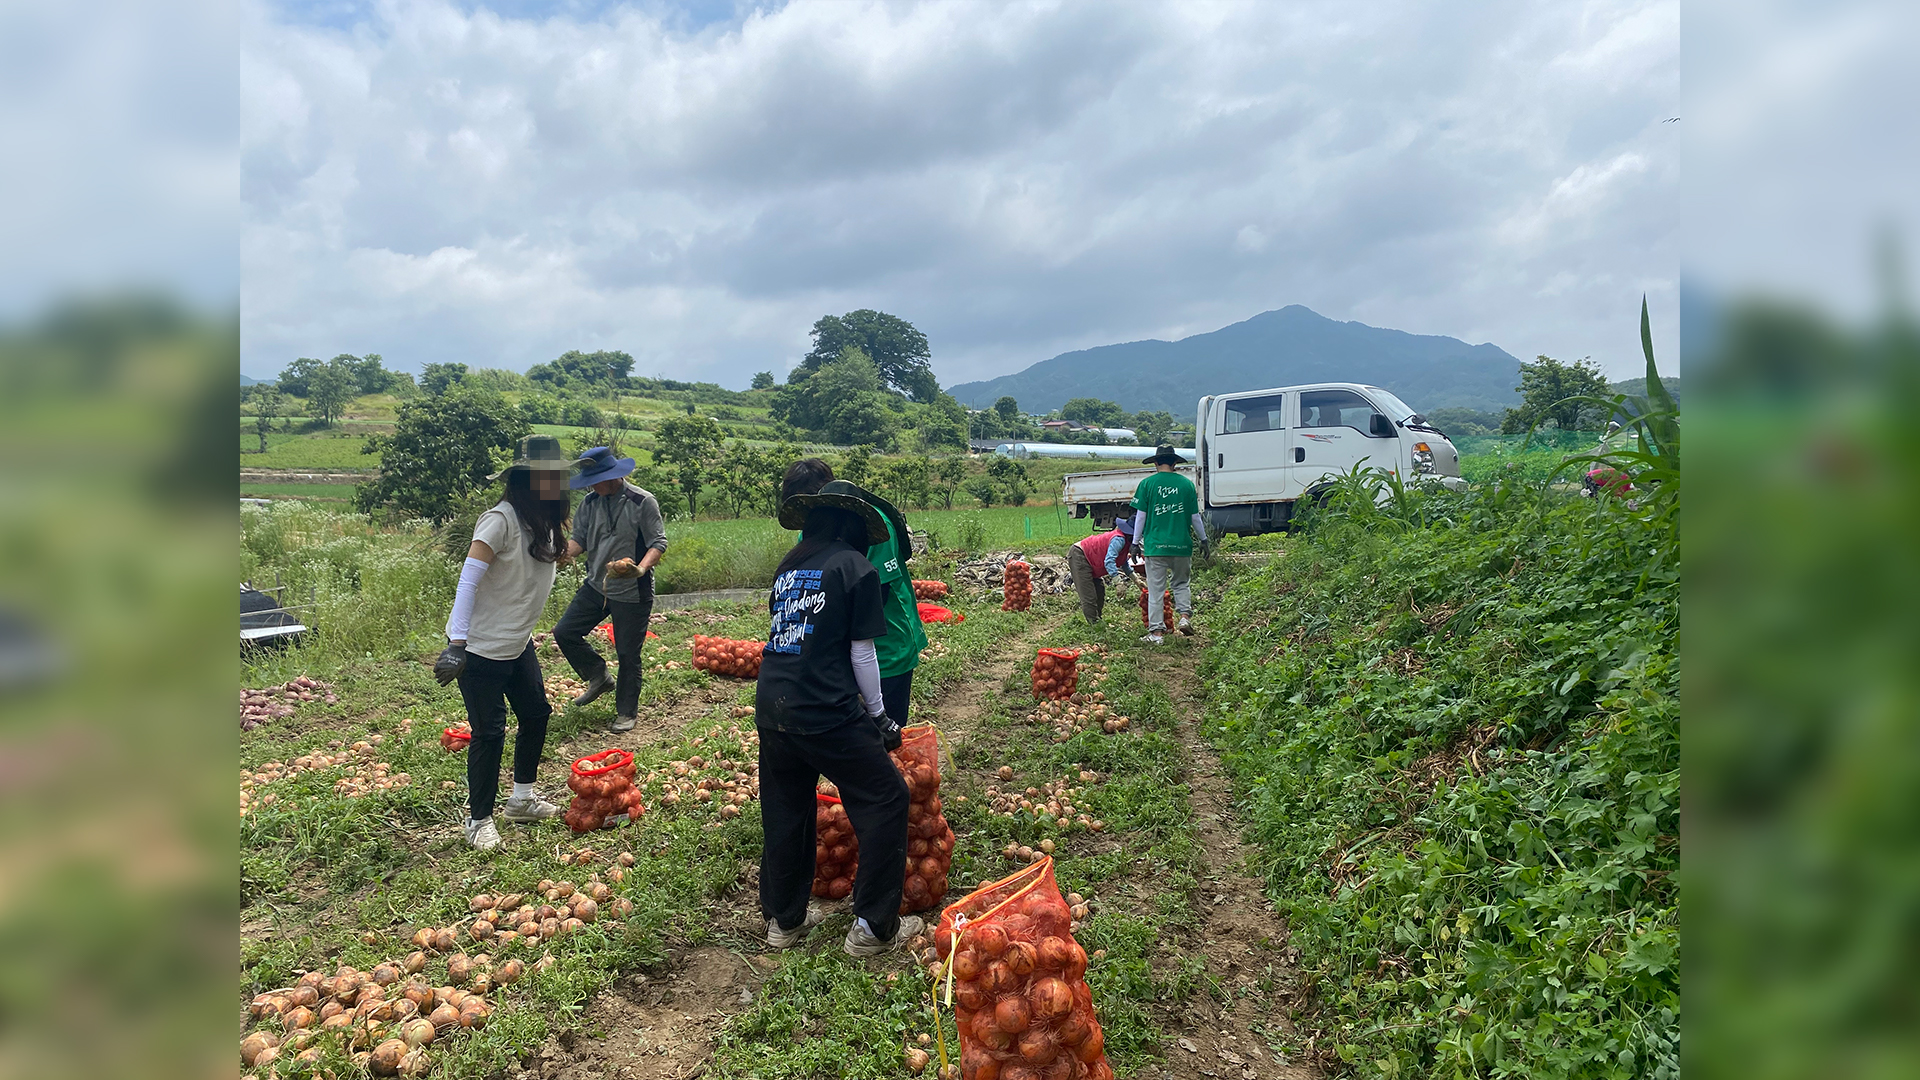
pixel 314 492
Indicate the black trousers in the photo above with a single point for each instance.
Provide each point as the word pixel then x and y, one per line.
pixel 895 693
pixel 630 620
pixel 875 798
pixel 488 687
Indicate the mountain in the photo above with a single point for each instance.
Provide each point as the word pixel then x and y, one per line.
pixel 248 380
pixel 1274 348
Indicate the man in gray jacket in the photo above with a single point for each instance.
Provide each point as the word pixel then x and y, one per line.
pixel 620 530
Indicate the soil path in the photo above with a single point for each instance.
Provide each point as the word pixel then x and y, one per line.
pixel 661 1025
pixel 1228 1036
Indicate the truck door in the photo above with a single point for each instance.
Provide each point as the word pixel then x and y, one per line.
pixel 1249 447
pixel 1336 432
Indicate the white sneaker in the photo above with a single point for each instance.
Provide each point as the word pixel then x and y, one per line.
pixel 861 942
pixel 787 939
pixel 482 835
pixel 531 808
pixel 1152 638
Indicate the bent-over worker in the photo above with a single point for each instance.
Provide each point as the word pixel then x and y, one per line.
pixel 1098 561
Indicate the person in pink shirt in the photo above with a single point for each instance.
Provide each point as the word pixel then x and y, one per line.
pixel 1099 557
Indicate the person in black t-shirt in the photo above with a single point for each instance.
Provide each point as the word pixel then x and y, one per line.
pixel 819 711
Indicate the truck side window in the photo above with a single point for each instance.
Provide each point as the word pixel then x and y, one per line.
pixel 1254 414
pixel 1335 408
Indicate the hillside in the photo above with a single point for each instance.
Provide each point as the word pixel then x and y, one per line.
pixel 1274 348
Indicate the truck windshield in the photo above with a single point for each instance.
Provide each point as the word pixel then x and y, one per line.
pixel 1396 408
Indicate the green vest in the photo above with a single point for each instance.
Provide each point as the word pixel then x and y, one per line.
pixel 899 651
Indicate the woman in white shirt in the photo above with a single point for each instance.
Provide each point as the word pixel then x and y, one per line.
pixel 503 589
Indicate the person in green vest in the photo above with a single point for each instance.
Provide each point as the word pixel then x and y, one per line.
pixel 899 650
pixel 1166 519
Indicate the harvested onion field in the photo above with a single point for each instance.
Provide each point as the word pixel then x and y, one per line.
pixel 352 858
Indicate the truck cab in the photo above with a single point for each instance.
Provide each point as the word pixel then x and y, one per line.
pixel 1262 451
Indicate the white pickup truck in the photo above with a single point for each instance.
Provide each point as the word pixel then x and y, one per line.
pixel 1262 451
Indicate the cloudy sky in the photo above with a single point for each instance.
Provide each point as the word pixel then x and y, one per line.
pixel 696 184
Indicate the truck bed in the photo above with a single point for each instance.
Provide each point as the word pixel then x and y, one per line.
pixel 1103 494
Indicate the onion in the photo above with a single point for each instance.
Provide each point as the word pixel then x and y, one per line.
pixel 445 940
pixel 1073 1030
pixel 420 994
pixel 444 1016
pixel 262 1004
pixel 311 978
pixel 307 996
pixel 1012 1014
pixel 970 997
pixel 298 1017
pixel 990 940
pixel 416 1063
pixel 480 903
pixel 549 928
pixel 568 926
pixel 917 1060
pixel 529 929
pixel 1021 957
pixel 986 1032
pixel 1038 1048
pixel 370 992
pixel 417 1032
pixel 416 962
pixel 459 968
pixel 474 1013
pixel 423 938
pixel 331 1009
pixel 622 907
pixel 1050 999
pixel 545 912
pixel 509 972
pixel 1091 1047
pixel 585 910
pixel 385 1058
pixel 966 965
pixel 544 964
pixel 386 973
pixel 563 889
pixel 337 1022
pixel 256 1044
pixel 1076 968
pixel 482 983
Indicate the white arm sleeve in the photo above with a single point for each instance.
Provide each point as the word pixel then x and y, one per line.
pixel 866 674
pixel 1139 524
pixel 1200 526
pixel 462 617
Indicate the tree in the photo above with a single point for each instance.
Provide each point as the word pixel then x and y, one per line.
pixel 749 476
pixel 945 478
pixel 857 463
pixel 985 425
pixel 441 451
pixel 689 447
pixel 1545 386
pixel 1007 409
pixel 589 372
pixel 983 489
pixel 1094 411
pixel 899 352
pixel 294 379
pixel 843 400
pixel 437 379
pixel 329 388
pixel 267 404
pixel 942 424
pixel 1010 479
pixel 762 380
pixel 905 480
pixel 368 373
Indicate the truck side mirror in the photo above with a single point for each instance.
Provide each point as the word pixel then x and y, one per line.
pixel 1379 427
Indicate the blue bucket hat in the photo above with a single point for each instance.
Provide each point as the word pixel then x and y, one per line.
pixel 599 464
pixel 1124 522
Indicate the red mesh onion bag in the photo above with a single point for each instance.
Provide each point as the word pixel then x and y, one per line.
pixel 1166 606
pixel 929 837
pixel 603 791
pixel 835 850
pixel 1018 983
pixel 1016 585
pixel 1056 673
pixel 929 590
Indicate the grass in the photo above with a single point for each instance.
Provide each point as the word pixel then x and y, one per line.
pixel 1456 737
pixel 304 492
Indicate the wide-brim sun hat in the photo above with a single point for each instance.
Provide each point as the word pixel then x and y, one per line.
pixel 887 510
pixel 1124 523
pixel 1163 454
pixel 834 496
pixel 538 453
pixel 599 464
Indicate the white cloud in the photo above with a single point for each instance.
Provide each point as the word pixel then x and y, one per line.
pixel 444 184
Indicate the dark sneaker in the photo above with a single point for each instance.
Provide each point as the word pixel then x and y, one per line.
pixel 862 943
pixel 622 723
pixel 601 683
pixel 1185 626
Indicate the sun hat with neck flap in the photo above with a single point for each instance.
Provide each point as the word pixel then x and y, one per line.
pixel 835 495
pixel 538 453
pixel 1164 455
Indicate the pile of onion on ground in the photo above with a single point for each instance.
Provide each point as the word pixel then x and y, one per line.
pixel 273 702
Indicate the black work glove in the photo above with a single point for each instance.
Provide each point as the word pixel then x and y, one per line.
pixel 453 660
pixel 889 731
